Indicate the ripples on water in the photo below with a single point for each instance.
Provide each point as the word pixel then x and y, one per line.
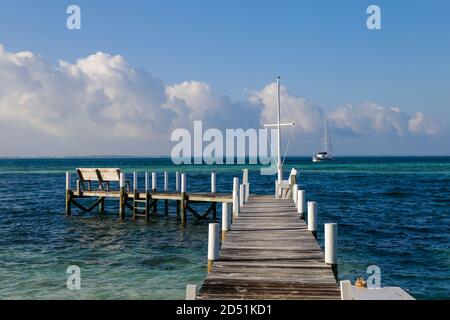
pixel 392 212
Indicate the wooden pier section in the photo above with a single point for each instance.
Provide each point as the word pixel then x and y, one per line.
pixel 270 254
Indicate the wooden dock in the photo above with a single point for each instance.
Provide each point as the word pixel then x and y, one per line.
pixel 95 184
pixel 270 254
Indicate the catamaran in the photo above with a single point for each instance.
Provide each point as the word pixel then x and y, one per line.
pixel 327 151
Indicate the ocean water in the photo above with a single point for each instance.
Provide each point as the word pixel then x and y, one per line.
pixel 391 212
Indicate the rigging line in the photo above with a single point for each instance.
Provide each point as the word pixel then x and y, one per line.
pixel 287 111
pixel 271 148
pixel 288 144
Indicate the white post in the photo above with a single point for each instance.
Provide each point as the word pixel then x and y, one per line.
pixel 247 191
pixel 213 182
pixel 191 292
pixel 312 217
pixel 301 203
pixel 235 197
pixel 346 290
pixel 122 180
pixel 213 244
pixel 68 180
pixel 241 195
pixel 177 181
pixel 183 182
pixel 331 243
pixel 146 181
pixel 294 194
pixel 135 186
pixel 226 220
pixel 166 181
pixel 245 176
pixel 153 180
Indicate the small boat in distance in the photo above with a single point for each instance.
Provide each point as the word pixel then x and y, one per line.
pixel 327 151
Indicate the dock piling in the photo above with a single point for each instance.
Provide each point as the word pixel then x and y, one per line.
pixel 122 196
pixel 294 194
pixel 301 203
pixel 166 188
pixel 346 290
pixel 226 220
pixel 177 189
pixel 183 199
pixel 331 245
pixel 312 218
pixel 68 193
pixel 154 186
pixel 135 183
pixel 235 198
pixel 191 292
pixel 246 183
pixel 241 195
pixel 213 244
pixel 213 182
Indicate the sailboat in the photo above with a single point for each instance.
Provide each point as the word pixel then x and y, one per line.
pixel 327 151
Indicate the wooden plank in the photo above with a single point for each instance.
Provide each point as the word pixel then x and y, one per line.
pixel 192 197
pixel 270 254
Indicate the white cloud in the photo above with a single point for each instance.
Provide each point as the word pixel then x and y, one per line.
pixel 102 101
pixel 420 124
pixel 370 118
pixel 307 116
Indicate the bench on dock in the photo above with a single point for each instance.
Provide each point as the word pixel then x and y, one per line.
pixel 284 189
pixel 102 176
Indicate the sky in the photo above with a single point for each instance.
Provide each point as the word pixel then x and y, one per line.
pixel 137 70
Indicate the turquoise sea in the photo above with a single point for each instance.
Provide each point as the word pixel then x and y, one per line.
pixel 392 212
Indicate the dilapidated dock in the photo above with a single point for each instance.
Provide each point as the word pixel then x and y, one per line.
pixel 270 254
pixel 97 184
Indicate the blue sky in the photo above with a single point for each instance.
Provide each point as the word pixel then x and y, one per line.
pixel 322 49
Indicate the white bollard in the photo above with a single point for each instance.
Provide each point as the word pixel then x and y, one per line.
pixel 213 182
pixel 191 292
pixel 301 203
pixel 183 182
pixel 153 180
pixel 213 244
pixel 177 181
pixel 244 176
pixel 235 197
pixel 122 180
pixel 236 184
pixel 247 191
pixel 331 243
pixel 294 194
pixel 241 195
pixel 346 290
pixel 166 181
pixel 146 181
pixel 312 217
pixel 135 183
pixel 68 180
pixel 235 205
pixel 226 220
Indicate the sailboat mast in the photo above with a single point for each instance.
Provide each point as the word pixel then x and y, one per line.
pixel 279 165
